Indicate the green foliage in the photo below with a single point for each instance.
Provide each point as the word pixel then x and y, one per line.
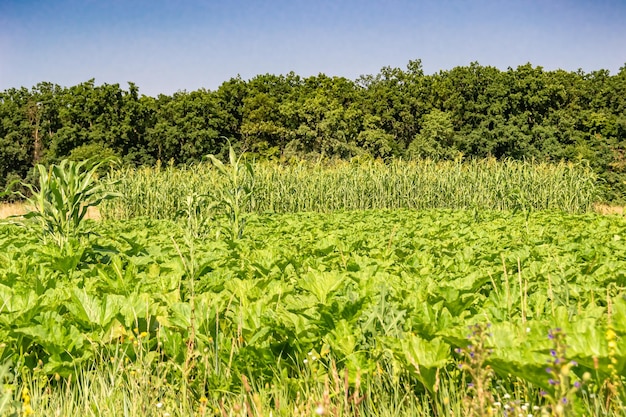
pixel 65 193
pixel 474 111
pixel 390 290
pixel 92 152
pixel 420 184
pixel 236 195
pixel 197 214
pixel 436 140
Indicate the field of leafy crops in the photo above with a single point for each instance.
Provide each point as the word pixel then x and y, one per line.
pixel 514 310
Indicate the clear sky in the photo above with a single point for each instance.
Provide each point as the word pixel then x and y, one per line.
pixel 165 45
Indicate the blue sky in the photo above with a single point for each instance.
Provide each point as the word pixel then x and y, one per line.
pixel 165 45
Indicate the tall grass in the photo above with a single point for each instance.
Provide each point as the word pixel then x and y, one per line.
pixel 118 389
pixel 160 192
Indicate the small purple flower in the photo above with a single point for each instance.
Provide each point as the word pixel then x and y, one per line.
pixel 458 350
pixel 552 352
pixel 577 384
pixel 553 382
pixel 564 400
pixel 543 393
pixel 573 363
pixel 549 370
pixel 470 385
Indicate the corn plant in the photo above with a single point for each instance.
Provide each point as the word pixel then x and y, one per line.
pixel 66 191
pixel 196 214
pixel 236 195
pixel 160 192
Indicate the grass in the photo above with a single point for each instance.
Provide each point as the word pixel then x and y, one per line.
pixel 118 388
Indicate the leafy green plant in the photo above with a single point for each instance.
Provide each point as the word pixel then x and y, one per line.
pixel 196 214
pixel 65 193
pixel 237 193
pixel 383 295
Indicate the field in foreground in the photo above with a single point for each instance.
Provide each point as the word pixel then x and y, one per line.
pixel 370 313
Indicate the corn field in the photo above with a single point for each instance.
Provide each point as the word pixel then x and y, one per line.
pixel 161 191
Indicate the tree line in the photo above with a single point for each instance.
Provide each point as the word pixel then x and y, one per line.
pixel 470 111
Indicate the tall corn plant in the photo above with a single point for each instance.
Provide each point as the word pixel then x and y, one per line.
pixel 236 195
pixel 66 191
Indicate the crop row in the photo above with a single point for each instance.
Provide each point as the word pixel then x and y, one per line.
pixel 163 192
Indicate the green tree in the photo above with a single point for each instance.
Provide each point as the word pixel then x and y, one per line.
pixel 436 139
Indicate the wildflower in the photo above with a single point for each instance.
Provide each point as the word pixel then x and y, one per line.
pixel 25 395
pixel 27 410
pixel 506 396
pixel 319 410
pixel 159 405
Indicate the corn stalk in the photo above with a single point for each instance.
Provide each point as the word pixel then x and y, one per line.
pixel 236 195
pixel 66 191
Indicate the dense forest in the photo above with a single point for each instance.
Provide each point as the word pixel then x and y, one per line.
pixel 467 112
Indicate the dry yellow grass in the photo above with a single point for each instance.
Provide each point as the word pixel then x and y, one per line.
pixel 11 209
pixel 17 209
pixel 607 209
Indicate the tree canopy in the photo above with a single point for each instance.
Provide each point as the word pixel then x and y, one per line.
pixel 472 111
